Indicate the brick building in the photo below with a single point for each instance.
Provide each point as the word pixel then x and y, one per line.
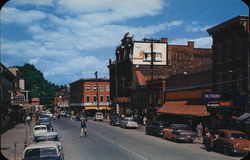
pixel 126 75
pixel 230 69
pixel 84 92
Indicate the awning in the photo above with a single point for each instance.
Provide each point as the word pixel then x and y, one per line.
pixel 183 108
pixel 243 116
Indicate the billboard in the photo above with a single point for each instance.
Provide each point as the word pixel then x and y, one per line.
pixel 142 53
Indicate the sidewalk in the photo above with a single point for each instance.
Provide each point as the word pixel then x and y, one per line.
pixel 12 141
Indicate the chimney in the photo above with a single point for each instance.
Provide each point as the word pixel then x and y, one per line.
pixel 164 40
pixel 191 44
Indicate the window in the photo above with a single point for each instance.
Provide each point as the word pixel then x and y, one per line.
pixel 87 88
pixel 101 88
pixel 108 98
pixel 88 99
pixel 101 98
pixel 107 88
pixel 94 98
pixel 94 88
pixel 229 80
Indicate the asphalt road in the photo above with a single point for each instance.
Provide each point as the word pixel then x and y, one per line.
pixel 105 142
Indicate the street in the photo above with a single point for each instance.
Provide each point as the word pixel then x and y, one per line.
pixel 105 142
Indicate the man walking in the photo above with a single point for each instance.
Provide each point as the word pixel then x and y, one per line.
pixel 83 127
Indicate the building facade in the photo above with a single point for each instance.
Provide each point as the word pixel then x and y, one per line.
pixel 230 69
pixel 90 95
pixel 126 71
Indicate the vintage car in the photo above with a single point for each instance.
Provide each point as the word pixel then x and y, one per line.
pixel 47 136
pixel 227 141
pixel 40 129
pixel 45 122
pixel 43 150
pixel 179 133
pixel 128 122
pixel 156 127
pixel 98 116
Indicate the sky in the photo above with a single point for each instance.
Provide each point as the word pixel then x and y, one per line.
pixel 71 39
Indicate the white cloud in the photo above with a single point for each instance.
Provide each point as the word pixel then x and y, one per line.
pixel 202 42
pixel 13 15
pixel 34 60
pixel 129 7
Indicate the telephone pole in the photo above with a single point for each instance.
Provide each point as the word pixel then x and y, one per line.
pixel 97 96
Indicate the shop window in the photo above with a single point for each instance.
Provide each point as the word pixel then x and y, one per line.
pixel 108 98
pixel 101 98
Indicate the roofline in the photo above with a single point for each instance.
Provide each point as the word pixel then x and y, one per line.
pixel 228 22
pixel 91 79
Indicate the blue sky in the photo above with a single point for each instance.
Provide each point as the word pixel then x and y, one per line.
pixel 71 39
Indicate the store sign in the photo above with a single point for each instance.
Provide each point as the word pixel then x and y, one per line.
pixel 142 53
pixel 226 103
pixel 212 96
pixel 213 104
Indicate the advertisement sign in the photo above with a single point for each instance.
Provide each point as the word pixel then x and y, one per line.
pixel 212 96
pixel 142 53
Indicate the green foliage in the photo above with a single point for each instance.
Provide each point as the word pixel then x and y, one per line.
pixel 38 85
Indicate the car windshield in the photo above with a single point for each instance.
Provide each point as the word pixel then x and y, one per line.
pixel 237 136
pixel 46 138
pixel 40 152
pixel 40 128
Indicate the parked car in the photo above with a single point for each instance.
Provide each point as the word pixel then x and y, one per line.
pixel 156 127
pixel 43 150
pixel 98 116
pixel 128 122
pixel 227 141
pixel 44 118
pixel 47 136
pixel 47 123
pixel 179 132
pixel 40 129
pixel 115 121
pixel 48 113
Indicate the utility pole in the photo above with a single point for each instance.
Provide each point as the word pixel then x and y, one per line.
pixel 97 96
pixel 152 54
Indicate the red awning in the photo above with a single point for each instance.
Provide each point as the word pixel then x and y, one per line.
pixel 183 108
pixel 142 80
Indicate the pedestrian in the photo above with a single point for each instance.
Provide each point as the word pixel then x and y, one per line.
pixel 145 120
pixel 83 127
pixel 28 120
pixel 199 130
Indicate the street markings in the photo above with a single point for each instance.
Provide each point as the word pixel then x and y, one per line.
pixel 142 157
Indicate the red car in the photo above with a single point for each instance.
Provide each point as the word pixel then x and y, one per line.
pixel 227 141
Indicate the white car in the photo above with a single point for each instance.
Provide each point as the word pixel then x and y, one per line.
pixel 43 150
pixel 128 122
pixel 98 116
pixel 40 129
pixel 47 136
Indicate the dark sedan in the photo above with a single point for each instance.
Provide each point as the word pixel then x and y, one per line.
pixel 156 127
pixel 115 121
